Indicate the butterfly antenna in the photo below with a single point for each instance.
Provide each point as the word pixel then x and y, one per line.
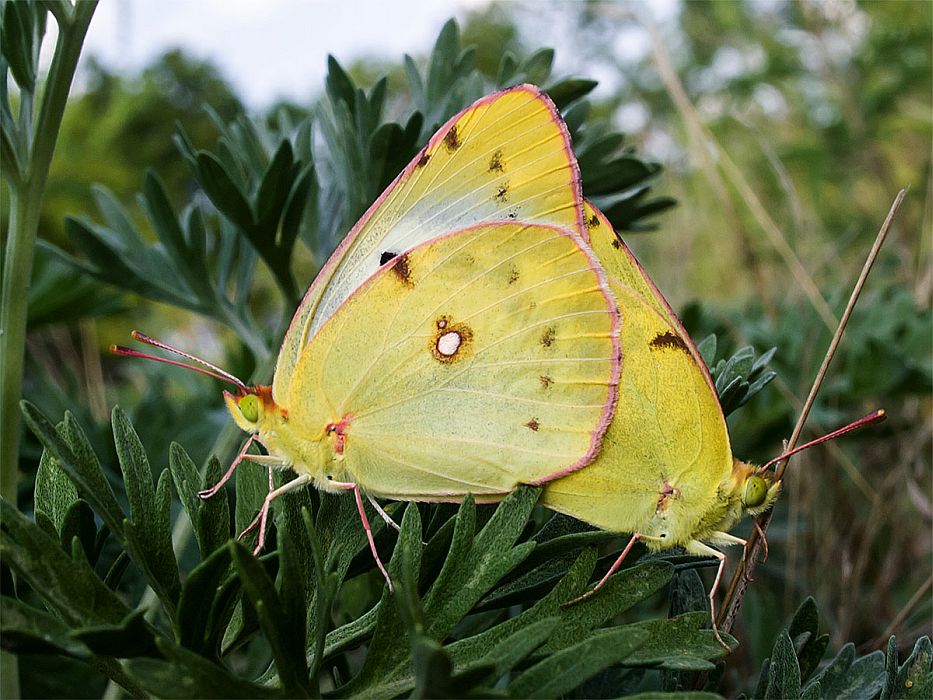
pixel 873 417
pixel 211 370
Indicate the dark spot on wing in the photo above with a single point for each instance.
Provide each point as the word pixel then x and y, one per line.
pixel 469 259
pixel 592 222
pixel 616 243
pixel 423 160
pixel 386 256
pixel 546 381
pixel 513 214
pixel 513 274
pixel 495 163
pixel 402 270
pixel 451 139
pixel 669 340
pixel 533 424
pixel 547 338
pixel 502 193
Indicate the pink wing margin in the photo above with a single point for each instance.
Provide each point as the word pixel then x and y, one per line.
pixel 296 334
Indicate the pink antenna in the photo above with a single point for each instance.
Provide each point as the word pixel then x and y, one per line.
pixel 211 371
pixel 873 417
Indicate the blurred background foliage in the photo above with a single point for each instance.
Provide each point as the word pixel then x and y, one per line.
pixel 784 131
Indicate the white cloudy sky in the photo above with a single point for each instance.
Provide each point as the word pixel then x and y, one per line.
pixel 278 48
pixel 267 48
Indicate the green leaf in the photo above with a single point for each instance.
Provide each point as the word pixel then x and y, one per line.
pixel 679 638
pixel 64 580
pixel 223 192
pixel 568 90
pixel 20 39
pixel 475 565
pixel 433 670
pixel 285 635
pixel 620 593
pixel 129 638
pixel 149 532
pixel 387 669
pixel 850 677
pixel 784 673
pixel 808 643
pixel 913 678
pixel 79 523
pixel 205 604
pixel 55 493
pixel 27 630
pixel 274 189
pixel 563 671
pixel 252 485
pixel 74 454
pixel 187 675
pixel 166 224
pixel 210 518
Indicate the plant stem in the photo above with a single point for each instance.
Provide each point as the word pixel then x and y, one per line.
pixel 26 204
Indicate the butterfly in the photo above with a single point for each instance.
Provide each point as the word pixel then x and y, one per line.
pixel 665 471
pixel 461 339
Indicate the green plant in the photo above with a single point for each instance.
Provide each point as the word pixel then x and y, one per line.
pixel 793 669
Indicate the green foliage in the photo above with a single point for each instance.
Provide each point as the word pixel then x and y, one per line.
pixel 792 671
pixel 740 377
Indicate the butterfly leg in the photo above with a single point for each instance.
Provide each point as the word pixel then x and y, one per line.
pixel 369 533
pixel 612 569
pixel 208 493
pixel 705 550
pixel 262 516
pixel 764 539
pixel 385 516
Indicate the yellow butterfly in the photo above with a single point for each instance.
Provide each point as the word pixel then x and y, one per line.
pixel 665 472
pixel 462 338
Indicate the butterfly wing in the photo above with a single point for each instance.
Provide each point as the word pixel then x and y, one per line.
pixel 622 265
pixel 668 429
pixel 478 361
pixel 507 157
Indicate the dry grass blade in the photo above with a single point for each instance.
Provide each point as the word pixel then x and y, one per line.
pixel 745 569
pixel 706 142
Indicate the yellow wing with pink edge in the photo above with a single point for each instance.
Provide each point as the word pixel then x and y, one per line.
pixel 667 447
pixel 507 157
pixel 668 443
pixel 481 360
pixel 621 265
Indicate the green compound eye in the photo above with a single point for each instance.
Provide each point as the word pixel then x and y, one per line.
pixel 249 407
pixel 756 489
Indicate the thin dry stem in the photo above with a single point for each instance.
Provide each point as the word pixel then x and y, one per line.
pixel 745 569
pixel 898 620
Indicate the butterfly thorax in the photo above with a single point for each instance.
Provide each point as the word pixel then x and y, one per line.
pixel 317 452
pixel 682 517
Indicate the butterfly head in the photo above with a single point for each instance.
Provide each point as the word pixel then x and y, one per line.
pixel 252 407
pixel 757 489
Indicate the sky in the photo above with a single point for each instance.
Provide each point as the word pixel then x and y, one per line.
pixel 267 48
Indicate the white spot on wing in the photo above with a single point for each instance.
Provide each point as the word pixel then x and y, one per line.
pixel 449 343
